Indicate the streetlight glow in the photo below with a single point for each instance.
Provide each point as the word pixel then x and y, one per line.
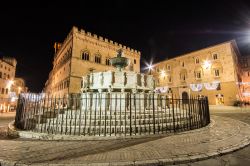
pixel 207 64
pixel 163 73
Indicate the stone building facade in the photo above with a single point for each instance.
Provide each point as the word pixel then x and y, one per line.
pixel 214 72
pixel 7 75
pixel 81 53
pixel 245 65
pixel 19 86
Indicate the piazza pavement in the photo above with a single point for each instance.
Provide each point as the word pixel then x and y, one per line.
pixel 223 142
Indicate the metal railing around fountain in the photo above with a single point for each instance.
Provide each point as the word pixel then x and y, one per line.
pixel 110 114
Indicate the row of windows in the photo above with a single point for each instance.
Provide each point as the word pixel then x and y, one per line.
pixel 98 58
pixel 197 74
pixel 2 66
pixel 62 85
pixel 64 58
pixel 4 75
pixel 197 61
pixel 4 91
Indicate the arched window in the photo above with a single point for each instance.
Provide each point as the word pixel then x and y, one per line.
pixel 197 61
pixel 85 56
pixel 97 58
pixel 215 56
pixel 108 61
pixel 183 75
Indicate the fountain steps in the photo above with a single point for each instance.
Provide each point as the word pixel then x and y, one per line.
pixel 92 130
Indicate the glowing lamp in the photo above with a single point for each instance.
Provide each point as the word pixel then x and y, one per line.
pixel 207 64
pixel 163 73
pixel 10 83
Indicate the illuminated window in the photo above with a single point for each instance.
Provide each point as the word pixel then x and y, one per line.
pixel 85 56
pixel 197 61
pixel 217 72
pixel 97 59
pixel 215 56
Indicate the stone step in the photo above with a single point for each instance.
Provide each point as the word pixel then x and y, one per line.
pixel 91 130
pixel 118 123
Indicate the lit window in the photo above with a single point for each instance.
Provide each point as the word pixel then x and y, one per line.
pixel 197 61
pixel 97 59
pixel 215 56
pixel 217 72
pixel 85 56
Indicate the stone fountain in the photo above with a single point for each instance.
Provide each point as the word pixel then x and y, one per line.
pixel 118 80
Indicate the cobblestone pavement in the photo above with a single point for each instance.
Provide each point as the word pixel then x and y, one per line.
pixel 225 133
pixel 240 157
pixel 5 119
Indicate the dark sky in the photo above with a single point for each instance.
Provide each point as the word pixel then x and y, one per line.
pixel 159 29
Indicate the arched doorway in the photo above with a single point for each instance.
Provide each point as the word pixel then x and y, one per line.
pixel 184 97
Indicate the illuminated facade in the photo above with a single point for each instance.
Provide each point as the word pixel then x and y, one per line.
pixel 214 72
pixel 245 65
pixel 7 75
pixel 80 54
pixel 19 86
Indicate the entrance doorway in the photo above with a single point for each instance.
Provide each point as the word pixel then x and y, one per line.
pixel 184 97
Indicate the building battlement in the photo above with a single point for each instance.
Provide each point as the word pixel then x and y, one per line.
pixel 100 38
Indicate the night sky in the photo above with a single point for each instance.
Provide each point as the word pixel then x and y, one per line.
pixel 158 29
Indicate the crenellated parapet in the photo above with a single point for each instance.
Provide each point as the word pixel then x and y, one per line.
pixel 105 40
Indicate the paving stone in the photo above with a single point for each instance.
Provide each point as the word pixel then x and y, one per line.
pixel 222 136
